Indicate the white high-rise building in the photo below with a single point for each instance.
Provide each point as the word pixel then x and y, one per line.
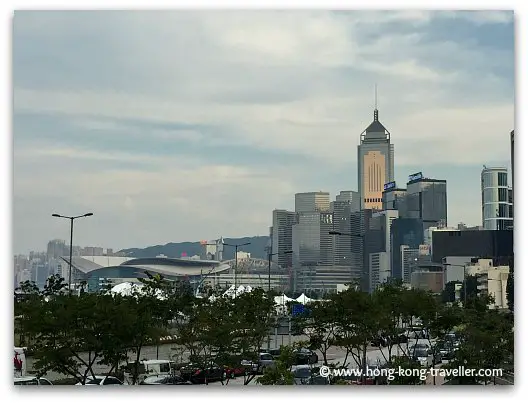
pixel 495 201
pixel 379 269
pixel 409 262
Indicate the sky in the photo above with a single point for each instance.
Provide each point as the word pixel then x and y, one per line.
pixel 178 126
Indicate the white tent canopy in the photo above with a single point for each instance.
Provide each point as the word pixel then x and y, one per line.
pixel 127 289
pixel 282 299
pixel 303 299
pixel 231 292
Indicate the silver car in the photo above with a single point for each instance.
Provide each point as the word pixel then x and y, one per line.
pixel 32 380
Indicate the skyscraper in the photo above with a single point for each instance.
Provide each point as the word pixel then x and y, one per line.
pixel 346 203
pixel 312 201
pixel 426 200
pixel 283 222
pixel 392 196
pixel 312 243
pixel 375 163
pixel 495 203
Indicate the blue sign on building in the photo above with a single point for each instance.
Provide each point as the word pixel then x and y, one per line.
pixel 298 309
pixel 415 177
pixel 389 186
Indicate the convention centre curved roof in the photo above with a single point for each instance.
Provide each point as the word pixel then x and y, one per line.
pixel 165 266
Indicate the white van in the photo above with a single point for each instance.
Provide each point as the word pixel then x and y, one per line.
pixel 149 368
pixel 19 362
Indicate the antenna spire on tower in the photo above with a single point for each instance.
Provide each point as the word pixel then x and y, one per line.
pixel 375 102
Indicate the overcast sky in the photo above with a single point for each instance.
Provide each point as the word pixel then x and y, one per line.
pixel 181 126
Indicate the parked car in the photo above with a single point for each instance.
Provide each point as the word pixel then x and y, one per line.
pixel 303 356
pixel 165 380
pixel 308 375
pixel 453 339
pixel 379 341
pixel 401 338
pixel 445 349
pixel 275 352
pixel 196 374
pixel 32 380
pixel 233 372
pixel 102 380
pixel 422 354
pixel 265 361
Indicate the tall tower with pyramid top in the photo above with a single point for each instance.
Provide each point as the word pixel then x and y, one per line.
pixel 375 161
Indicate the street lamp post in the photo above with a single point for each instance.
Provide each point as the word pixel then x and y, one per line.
pixel 269 282
pixel 71 241
pixel 202 278
pixel 364 351
pixel 236 246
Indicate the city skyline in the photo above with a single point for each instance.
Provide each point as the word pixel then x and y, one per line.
pixel 206 136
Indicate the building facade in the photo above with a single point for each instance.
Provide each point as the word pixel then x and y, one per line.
pixel 282 237
pixel 392 196
pixel 482 244
pixel 346 203
pixel 425 200
pixel 379 269
pixel 312 201
pixel 375 164
pixel 312 243
pixel 491 280
pixel 428 280
pixel 495 199
pixel 409 259
pixel 404 231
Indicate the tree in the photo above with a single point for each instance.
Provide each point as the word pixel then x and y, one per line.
pixel 282 373
pixel 319 323
pixel 469 288
pixel 487 339
pixel 227 330
pixel 408 378
pixel 357 323
pixel 151 309
pixel 449 293
pixel 63 326
pixel 390 298
pixel 255 313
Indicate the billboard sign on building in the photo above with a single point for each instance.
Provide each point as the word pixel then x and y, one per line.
pixel 424 250
pixel 415 177
pixel 389 186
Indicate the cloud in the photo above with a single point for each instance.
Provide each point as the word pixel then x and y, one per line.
pixel 215 118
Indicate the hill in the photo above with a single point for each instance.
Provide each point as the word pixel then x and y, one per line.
pixel 257 248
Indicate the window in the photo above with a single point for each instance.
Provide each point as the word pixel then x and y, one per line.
pixel 112 381
pixel 490 210
pixel 29 382
pixel 503 194
pixel 503 179
pixel 491 195
pixel 93 382
pixel 164 368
